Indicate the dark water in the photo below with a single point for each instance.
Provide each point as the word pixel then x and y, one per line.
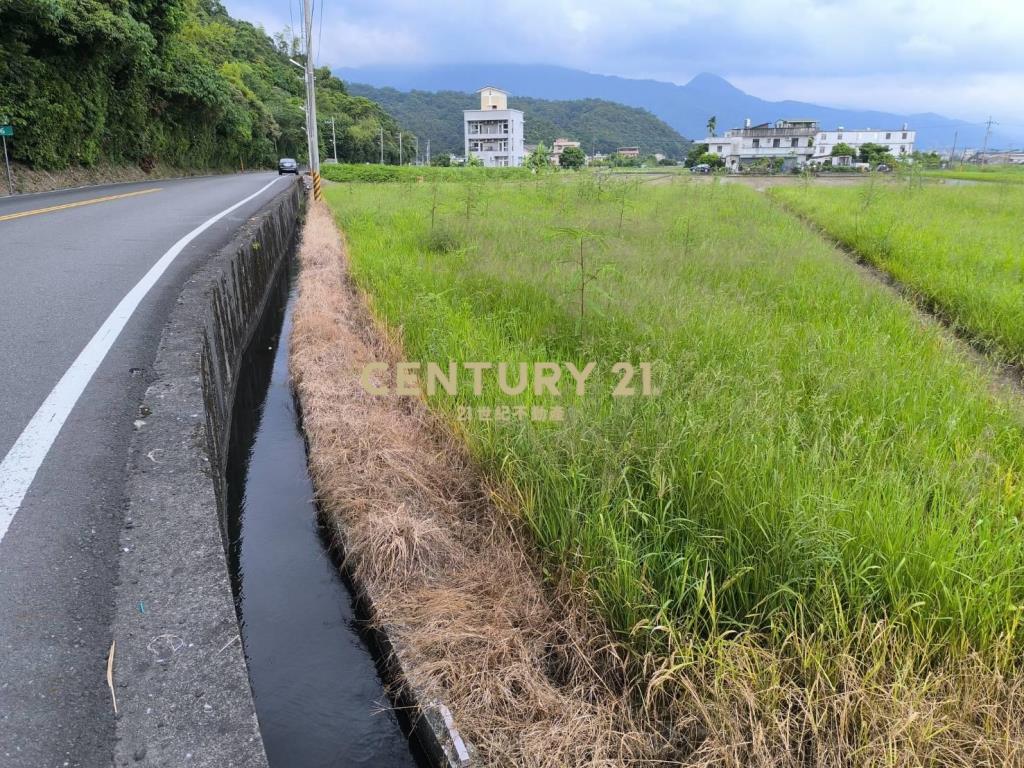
pixel 319 697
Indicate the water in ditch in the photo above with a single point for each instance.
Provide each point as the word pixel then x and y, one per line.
pixel 319 697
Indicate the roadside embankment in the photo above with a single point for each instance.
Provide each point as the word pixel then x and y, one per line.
pixel 529 678
pixel 28 180
pixel 178 672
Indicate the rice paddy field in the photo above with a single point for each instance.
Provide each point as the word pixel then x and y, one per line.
pixel 1007 174
pixel 960 249
pixel 808 533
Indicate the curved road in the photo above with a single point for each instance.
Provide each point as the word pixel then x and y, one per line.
pixel 71 381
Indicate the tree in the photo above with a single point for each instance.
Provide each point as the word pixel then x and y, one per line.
pixel 875 154
pixel 927 159
pixel 715 161
pixel 585 274
pixel 172 81
pixel 697 151
pixel 841 149
pixel 473 161
pixel 712 125
pixel 538 158
pixel 441 159
pixel 572 157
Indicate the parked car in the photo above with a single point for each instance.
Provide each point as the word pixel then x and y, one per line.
pixel 287 165
pixel 883 168
pixel 701 168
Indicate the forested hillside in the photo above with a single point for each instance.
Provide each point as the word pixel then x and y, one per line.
pixel 163 81
pixel 602 126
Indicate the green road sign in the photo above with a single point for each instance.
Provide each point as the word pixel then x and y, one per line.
pixel 6 130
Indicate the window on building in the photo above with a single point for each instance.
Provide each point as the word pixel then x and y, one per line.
pixel 720 148
pixel 839 137
pixel 810 142
pixel 794 142
pixel 904 134
pixel 888 136
pixel 757 143
pixel 775 142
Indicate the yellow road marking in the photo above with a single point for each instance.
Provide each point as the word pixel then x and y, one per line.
pixel 65 206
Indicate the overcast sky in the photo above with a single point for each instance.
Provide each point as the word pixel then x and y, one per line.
pixel 961 58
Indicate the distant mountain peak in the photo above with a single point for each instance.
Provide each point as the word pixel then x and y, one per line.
pixel 706 81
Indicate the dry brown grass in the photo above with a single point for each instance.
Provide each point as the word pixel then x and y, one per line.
pixel 532 678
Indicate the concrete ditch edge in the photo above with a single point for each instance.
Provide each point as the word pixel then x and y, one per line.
pixel 430 720
pixel 179 671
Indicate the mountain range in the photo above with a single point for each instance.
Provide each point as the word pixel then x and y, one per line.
pixel 684 107
pixel 601 126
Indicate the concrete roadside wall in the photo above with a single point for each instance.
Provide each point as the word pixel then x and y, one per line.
pixel 179 672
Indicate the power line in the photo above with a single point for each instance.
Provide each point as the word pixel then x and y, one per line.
pixel 320 32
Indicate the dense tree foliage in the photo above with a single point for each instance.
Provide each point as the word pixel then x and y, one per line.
pixel 177 81
pixel 601 126
pixel 572 157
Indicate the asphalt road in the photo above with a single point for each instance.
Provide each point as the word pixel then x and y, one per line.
pixel 62 273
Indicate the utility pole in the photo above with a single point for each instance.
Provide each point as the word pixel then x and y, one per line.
pixel 399 147
pixel 334 140
pixel 417 138
pixel 382 145
pixel 7 165
pixel 952 154
pixel 988 131
pixel 428 151
pixel 314 142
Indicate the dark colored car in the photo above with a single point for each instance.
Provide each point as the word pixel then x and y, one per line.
pixel 287 165
pixel 701 168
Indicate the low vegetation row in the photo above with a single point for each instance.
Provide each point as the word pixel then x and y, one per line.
pixel 803 522
pixel 372 173
pixel 957 248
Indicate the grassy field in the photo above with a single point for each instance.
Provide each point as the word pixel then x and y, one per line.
pixel 1008 174
pixel 958 248
pixel 822 479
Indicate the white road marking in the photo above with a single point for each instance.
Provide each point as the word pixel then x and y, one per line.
pixel 21 463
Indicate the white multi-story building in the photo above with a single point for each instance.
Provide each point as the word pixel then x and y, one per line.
pixel 494 133
pixel 799 142
pixel 788 140
pixel 899 142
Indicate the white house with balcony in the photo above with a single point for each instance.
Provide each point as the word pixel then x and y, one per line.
pixel 494 133
pixel 789 140
pixel 900 142
pixel 800 141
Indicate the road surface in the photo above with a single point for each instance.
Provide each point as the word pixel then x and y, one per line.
pixel 71 381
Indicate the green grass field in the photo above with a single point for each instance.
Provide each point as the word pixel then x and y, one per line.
pixel 1009 174
pixel 958 248
pixel 819 463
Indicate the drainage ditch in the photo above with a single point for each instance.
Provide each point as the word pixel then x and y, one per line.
pixel 319 696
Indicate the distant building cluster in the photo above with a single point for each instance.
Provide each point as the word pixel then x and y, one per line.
pixel 802 142
pixel 494 134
